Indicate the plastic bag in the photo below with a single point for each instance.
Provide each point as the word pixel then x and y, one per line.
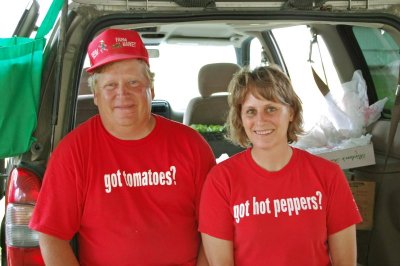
pixel 345 120
pixel 356 105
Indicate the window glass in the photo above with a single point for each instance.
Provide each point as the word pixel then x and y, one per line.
pixel 255 53
pixel 10 14
pixel 177 67
pixel 382 56
pixel 299 60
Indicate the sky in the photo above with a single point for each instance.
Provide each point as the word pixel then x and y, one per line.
pixel 11 11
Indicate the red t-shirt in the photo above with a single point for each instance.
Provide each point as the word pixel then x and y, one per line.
pixel 131 202
pixel 277 218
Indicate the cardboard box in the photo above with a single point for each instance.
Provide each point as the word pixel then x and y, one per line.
pixel 351 157
pixel 364 195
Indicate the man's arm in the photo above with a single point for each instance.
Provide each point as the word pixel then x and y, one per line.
pixel 219 252
pixel 343 247
pixel 56 251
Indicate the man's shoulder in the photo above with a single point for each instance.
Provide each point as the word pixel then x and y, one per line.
pixel 182 136
pixel 174 127
pixel 81 132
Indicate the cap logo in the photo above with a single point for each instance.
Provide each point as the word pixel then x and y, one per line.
pixel 119 43
pixel 100 47
pixel 114 45
pixel 123 42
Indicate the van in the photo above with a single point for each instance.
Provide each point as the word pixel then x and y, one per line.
pixel 349 49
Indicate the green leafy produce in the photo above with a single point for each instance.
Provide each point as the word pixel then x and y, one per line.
pixel 208 128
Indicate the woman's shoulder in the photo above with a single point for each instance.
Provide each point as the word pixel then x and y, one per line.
pixel 233 162
pixel 228 172
pixel 322 167
pixel 315 159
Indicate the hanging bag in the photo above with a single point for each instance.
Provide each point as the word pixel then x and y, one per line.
pixel 21 61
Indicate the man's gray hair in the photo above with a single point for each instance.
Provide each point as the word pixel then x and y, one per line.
pixel 92 80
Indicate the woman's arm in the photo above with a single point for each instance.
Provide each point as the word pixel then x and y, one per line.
pixel 219 252
pixel 201 258
pixel 56 251
pixel 343 247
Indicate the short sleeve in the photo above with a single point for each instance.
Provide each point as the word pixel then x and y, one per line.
pixel 342 210
pixel 215 216
pixel 57 211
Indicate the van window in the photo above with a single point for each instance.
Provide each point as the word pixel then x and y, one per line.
pixel 299 61
pixel 255 53
pixel 177 67
pixel 382 56
pixel 10 14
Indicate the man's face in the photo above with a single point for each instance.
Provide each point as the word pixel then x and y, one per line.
pixel 123 95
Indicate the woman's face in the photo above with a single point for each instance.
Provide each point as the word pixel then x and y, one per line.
pixel 265 122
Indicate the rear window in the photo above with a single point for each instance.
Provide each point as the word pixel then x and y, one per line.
pixel 382 55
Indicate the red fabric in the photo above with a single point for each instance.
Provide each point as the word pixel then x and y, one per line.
pixel 89 188
pixel 115 45
pixel 277 218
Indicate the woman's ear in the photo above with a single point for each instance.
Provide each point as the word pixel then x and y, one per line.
pixel 291 114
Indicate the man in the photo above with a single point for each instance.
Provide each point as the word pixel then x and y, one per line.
pixel 126 181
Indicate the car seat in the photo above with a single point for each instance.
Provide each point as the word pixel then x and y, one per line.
pixel 209 108
pixel 212 107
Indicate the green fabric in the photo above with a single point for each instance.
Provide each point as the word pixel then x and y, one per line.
pixel 50 18
pixel 21 61
pixel 20 74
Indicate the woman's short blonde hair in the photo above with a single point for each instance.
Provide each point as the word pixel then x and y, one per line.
pixel 267 82
pixel 92 80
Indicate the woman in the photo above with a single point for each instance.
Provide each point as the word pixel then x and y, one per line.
pixel 274 204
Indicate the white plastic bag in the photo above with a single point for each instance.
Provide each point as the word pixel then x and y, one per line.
pixel 356 105
pixel 348 122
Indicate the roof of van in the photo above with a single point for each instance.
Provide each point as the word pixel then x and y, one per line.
pixel 392 6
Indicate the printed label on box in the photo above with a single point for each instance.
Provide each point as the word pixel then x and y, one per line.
pixel 352 157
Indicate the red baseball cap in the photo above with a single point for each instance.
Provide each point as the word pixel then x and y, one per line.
pixel 115 45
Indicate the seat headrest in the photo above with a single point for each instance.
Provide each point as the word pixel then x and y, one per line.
pixel 215 78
